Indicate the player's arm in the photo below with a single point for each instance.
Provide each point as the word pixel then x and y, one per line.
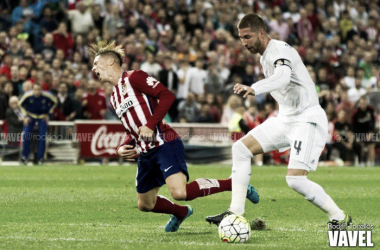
pixel 52 99
pixel 127 149
pixel 146 84
pixel 279 79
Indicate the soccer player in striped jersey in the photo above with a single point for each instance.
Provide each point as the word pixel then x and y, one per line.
pixel 141 102
pixel 301 124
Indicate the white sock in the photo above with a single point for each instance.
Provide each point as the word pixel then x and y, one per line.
pixel 316 195
pixel 241 174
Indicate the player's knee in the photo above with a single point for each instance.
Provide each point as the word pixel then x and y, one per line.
pixel 178 194
pixel 295 182
pixel 240 150
pixel 145 206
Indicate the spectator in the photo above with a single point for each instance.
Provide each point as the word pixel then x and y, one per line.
pixel 214 82
pixel 48 23
pixel 79 110
pixel 304 26
pixel 346 25
pixel 98 18
pixel 16 82
pixel 36 106
pixel 292 13
pixel 26 86
pixel 63 40
pixel 215 111
pixel 196 78
pixel 3 40
pixel 358 91
pixel 112 21
pixel 349 79
pixel 15 121
pixel 94 102
pixel 343 137
pixel 345 105
pixel 84 73
pixel 7 92
pixel 279 26
pixel 6 65
pixel 236 125
pixel 150 66
pixel 65 110
pixel 189 108
pixel 233 102
pixel 363 126
pixel 168 77
pixel 81 20
pixel 47 49
pixel 183 87
pixel 14 48
pixel 204 115
pixel 47 81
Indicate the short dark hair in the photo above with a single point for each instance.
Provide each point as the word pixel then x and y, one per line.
pixel 253 21
pixel 37 84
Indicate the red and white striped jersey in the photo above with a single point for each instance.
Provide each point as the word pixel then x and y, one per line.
pixel 139 99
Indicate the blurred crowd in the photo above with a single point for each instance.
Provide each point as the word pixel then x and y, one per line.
pixel 192 47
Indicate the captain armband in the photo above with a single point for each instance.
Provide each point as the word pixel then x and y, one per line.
pixel 282 62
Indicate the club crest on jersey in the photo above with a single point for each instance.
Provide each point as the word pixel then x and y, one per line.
pixel 124 89
pixel 124 106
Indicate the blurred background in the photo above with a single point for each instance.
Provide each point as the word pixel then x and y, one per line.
pixel 192 47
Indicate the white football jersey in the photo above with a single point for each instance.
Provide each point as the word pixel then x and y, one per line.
pixel 300 94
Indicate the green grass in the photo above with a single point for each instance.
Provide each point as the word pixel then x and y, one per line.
pixel 93 207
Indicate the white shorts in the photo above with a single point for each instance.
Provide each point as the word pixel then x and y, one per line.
pixel 306 140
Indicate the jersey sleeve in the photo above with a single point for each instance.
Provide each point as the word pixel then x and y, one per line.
pixel 281 60
pixel 282 56
pixel 148 85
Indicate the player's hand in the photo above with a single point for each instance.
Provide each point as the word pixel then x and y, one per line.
pixel 26 120
pixel 240 88
pixel 128 153
pixel 145 133
pixel 46 118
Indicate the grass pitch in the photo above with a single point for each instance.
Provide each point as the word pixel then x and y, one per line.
pixel 94 207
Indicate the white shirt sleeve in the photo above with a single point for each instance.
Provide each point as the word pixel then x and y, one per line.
pixel 279 79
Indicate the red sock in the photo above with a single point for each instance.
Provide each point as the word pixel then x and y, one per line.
pixel 165 206
pixel 204 187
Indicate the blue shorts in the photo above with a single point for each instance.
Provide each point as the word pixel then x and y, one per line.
pixel 158 164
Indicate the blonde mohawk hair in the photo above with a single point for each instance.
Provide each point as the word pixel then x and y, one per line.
pixel 103 47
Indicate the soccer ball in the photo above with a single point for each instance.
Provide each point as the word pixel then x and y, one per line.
pixel 234 229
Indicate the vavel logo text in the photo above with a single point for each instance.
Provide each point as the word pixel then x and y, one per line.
pixel 350 238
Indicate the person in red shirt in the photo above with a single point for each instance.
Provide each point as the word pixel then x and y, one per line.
pixel 63 40
pixel 94 102
pixel 6 66
pixel 47 81
pixel 141 102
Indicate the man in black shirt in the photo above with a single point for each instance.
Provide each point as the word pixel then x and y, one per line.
pixel 343 137
pixel 363 126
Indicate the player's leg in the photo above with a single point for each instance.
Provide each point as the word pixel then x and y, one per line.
pixel 174 168
pixel 180 190
pixel 148 180
pixel 42 129
pixel 264 138
pixel 242 152
pixel 307 145
pixel 26 139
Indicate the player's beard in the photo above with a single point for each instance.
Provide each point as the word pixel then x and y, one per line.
pixel 255 48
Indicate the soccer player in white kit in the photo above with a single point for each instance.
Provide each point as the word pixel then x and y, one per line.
pixel 301 124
